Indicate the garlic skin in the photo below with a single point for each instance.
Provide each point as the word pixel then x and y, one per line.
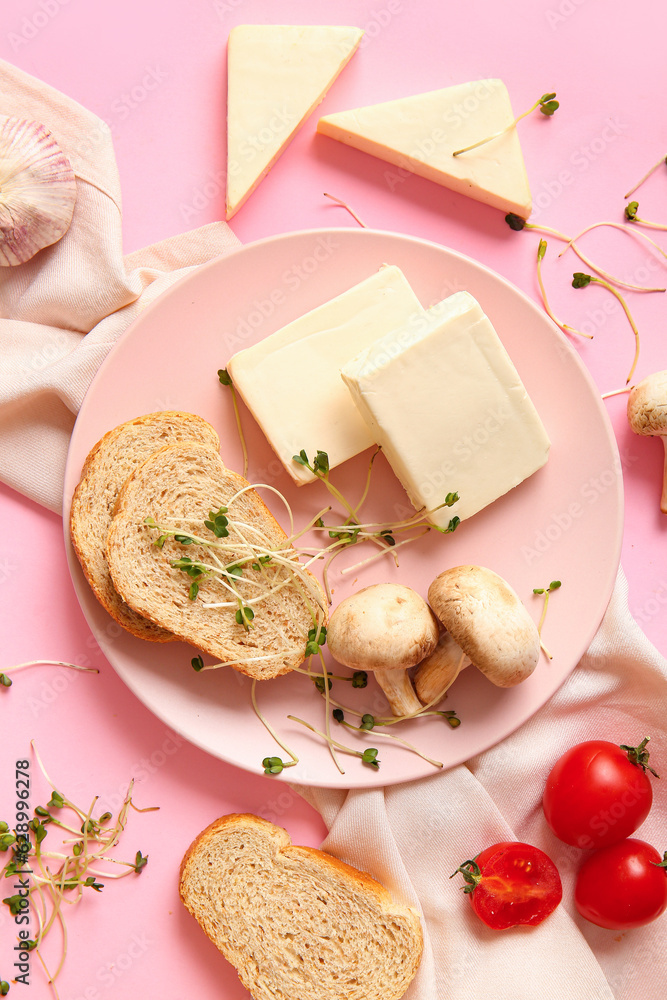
pixel 37 190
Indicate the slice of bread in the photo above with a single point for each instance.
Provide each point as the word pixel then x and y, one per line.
pixel 297 924
pixel 105 470
pixel 177 487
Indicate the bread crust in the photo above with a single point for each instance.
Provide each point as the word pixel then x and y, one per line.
pixel 185 481
pixel 382 937
pixel 104 472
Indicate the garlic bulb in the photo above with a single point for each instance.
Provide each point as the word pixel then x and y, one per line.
pixel 37 190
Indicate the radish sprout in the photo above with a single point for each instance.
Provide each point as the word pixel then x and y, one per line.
pixel 581 280
pixel 545 103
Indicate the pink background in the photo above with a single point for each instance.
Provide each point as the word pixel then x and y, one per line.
pixel 156 73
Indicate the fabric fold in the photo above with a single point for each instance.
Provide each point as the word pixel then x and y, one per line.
pixel 63 311
pixel 412 837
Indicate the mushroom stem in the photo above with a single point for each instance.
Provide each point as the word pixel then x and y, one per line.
pixel 399 691
pixel 663 501
pixel 436 674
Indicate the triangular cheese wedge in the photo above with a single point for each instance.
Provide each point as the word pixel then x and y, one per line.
pixel 419 134
pixel 277 75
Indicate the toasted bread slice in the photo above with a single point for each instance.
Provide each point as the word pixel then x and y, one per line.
pixel 186 481
pixel 105 470
pixel 295 922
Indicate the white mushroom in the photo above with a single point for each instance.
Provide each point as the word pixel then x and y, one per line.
pixel 438 671
pixel 386 628
pixel 647 415
pixel 487 625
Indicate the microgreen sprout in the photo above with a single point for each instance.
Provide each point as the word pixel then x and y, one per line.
pixel 452 526
pixel 140 862
pixel 547 105
pixel 320 468
pixel 631 216
pixel 244 564
pixel 344 205
pixel 353 531
pixel 6 681
pixel 359 679
pixel 581 280
pixel 636 233
pixel 661 161
pixel 317 637
pixel 244 616
pixel 451 718
pixel 617 392
pixel 368 722
pixel 61 874
pixel 226 379
pixel 272 765
pixel 516 223
pixel 217 522
pixel 541 251
pixel 546 591
pixel 368 756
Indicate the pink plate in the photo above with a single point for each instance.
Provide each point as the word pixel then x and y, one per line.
pixel 564 523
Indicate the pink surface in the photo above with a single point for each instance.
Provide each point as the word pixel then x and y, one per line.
pixel 155 73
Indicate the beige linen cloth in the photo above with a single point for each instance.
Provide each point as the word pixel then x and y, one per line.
pixel 61 314
pixel 63 311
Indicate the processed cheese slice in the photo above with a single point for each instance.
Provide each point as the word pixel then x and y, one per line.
pixel 277 74
pixel 291 383
pixel 420 133
pixel 449 409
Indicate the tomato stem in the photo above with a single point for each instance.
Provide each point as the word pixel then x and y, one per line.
pixel 639 755
pixel 471 873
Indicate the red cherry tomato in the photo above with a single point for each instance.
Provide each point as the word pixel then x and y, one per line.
pixel 512 883
pixel 598 793
pixel 622 886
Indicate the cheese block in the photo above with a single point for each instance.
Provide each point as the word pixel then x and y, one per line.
pixel 291 382
pixel 449 409
pixel 419 134
pixel 276 75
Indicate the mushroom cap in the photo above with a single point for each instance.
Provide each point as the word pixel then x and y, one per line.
pixel 647 405
pixel 485 616
pixel 382 627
